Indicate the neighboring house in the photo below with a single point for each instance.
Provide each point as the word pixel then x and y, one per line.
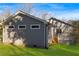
pixel 25 29
pixel 60 31
pixel 66 38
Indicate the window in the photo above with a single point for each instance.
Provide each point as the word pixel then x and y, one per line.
pixel 35 26
pixel 11 26
pixel 22 27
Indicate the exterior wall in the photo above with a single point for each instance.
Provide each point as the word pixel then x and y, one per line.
pixel 6 40
pixel 27 37
pixel 65 37
pixel 50 35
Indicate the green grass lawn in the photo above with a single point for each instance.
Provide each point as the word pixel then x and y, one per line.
pixel 56 50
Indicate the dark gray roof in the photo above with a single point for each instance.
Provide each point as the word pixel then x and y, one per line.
pixel 24 13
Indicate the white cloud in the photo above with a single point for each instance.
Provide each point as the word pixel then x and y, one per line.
pixel 70 15
pixel 73 14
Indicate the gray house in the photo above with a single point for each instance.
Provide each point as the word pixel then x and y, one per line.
pixel 25 30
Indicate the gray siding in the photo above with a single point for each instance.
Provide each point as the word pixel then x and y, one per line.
pixel 31 37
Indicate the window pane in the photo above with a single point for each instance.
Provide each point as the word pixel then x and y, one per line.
pixel 11 26
pixel 22 26
pixel 35 26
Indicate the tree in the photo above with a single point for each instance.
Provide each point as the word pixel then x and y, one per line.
pixel 26 7
pixel 7 12
pixel 45 15
pixel 75 31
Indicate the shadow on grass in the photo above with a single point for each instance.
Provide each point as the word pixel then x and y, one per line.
pixel 22 51
pixel 56 50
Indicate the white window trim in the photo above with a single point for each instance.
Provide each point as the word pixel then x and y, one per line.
pixel 34 25
pixel 11 25
pixel 21 25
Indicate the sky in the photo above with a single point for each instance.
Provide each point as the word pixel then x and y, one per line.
pixel 58 10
